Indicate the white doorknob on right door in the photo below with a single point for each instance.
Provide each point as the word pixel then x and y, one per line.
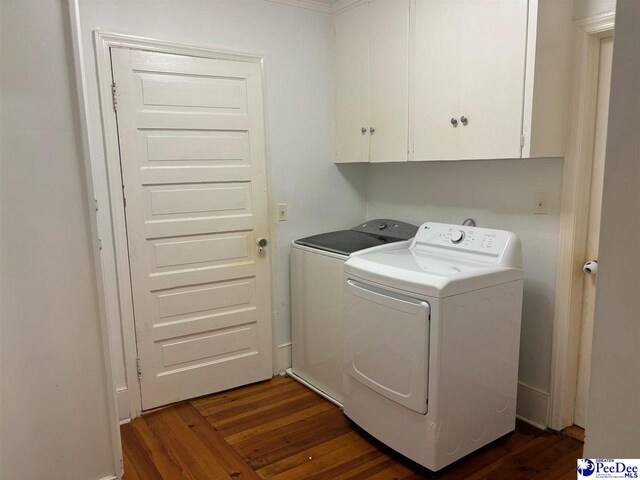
pixel 591 267
pixel 464 120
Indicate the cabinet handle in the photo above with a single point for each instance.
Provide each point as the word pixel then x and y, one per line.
pixel 372 130
pixel 464 120
pixel 454 122
pixel 363 130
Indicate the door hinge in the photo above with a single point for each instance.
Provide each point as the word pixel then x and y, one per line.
pixel 114 95
pixel 95 204
pixel 522 141
pixel 138 367
pixel 99 243
pixel 124 197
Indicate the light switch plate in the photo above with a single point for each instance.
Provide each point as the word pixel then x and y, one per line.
pixel 541 203
pixel 282 212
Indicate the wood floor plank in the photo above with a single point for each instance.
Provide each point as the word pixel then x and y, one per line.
pixel 230 396
pixel 513 466
pixel 279 430
pixel 216 445
pixel 367 468
pixel 308 454
pixel 348 466
pixel 194 445
pixel 156 450
pixel 243 404
pixel 280 422
pixel 142 464
pixel 274 445
pixel 129 469
pixel 397 471
pixel 189 465
pixel 225 418
pixel 318 465
pixel 268 415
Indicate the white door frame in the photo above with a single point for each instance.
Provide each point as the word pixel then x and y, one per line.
pixel 83 108
pixel 103 41
pixel 574 214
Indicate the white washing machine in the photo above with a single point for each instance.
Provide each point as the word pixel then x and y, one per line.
pixel 316 298
pixel 432 336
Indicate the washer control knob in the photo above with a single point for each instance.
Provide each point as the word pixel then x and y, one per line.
pixel 457 237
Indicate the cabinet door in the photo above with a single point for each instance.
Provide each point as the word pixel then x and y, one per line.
pixel 389 80
pixel 492 60
pixel 436 80
pixel 351 92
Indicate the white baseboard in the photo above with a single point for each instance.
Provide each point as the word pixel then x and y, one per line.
pixel 283 358
pixel 533 405
pixel 122 398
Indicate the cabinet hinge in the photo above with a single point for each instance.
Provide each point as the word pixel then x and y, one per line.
pixel 138 367
pixel 124 197
pixel 521 141
pixel 114 95
pixel 95 204
pixel 99 243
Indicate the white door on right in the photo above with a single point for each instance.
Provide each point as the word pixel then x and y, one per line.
pixel 593 233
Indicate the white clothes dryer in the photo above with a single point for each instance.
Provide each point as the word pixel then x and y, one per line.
pixel 432 337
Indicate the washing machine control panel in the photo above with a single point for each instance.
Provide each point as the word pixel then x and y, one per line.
pixel 482 241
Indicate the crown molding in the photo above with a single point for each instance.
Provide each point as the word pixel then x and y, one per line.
pixel 308 4
pixel 344 5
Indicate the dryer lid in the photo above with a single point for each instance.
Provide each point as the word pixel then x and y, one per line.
pixel 438 265
pixel 428 275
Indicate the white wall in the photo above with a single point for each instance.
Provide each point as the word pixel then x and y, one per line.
pixel 297 45
pixel 591 8
pixel 613 417
pixel 496 194
pixel 54 415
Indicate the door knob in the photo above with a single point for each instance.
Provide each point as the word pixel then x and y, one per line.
pixel 363 130
pixel 464 120
pixel 262 245
pixel 591 267
pixel 372 130
pixel 454 122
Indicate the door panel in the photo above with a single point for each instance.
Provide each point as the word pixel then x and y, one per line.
pixel 436 85
pixel 469 61
pixel 593 233
pixel 193 161
pixel 389 80
pixel 493 34
pixel 351 88
pixel 387 343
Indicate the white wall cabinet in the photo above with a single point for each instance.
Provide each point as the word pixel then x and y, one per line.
pixel 472 79
pixel 371 82
pixel 468 81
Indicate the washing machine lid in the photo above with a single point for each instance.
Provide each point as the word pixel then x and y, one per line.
pixel 344 242
pixel 428 275
pixel 366 235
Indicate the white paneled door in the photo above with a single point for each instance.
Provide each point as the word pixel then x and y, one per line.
pixel 593 229
pixel 192 150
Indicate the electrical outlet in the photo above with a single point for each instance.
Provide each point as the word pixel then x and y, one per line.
pixel 541 203
pixel 282 212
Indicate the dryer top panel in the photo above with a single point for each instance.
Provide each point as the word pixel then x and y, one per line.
pixel 496 247
pixel 443 260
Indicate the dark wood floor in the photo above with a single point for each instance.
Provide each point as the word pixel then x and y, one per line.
pixel 280 430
